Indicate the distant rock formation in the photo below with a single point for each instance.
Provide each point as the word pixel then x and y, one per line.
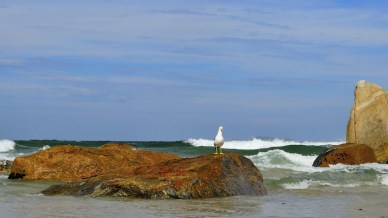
pixel 74 163
pixel 187 178
pixel 368 123
pixel 350 154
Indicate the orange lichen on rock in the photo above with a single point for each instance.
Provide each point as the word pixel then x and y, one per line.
pixel 200 177
pixel 74 163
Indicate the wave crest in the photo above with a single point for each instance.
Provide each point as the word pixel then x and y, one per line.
pixel 7 145
pixel 256 143
pixel 283 160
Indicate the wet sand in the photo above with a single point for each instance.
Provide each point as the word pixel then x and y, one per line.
pixel 21 199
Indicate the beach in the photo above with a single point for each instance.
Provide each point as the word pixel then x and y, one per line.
pixel 24 201
pixel 295 188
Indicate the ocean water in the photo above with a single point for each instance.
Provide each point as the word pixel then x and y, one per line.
pixel 295 188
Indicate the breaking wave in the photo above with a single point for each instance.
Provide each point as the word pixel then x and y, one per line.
pixel 7 145
pixel 257 143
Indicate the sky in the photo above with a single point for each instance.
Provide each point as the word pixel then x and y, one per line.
pixel 174 70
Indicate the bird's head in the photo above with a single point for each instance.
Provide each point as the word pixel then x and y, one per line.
pixel 221 128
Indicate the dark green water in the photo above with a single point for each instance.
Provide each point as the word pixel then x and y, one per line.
pixel 181 148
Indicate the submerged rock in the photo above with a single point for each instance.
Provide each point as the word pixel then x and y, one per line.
pixel 368 122
pixel 350 154
pixel 200 177
pixel 74 163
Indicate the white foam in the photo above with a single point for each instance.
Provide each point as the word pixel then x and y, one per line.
pixel 383 179
pixel 284 160
pixel 382 168
pixel 6 145
pixel 34 195
pixel 6 157
pixel 299 185
pixel 308 183
pixel 44 147
pixel 256 143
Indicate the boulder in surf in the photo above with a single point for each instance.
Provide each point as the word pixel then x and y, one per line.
pixel 349 154
pixel 74 163
pixel 186 178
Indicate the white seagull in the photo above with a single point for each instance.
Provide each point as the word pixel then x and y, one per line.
pixel 219 140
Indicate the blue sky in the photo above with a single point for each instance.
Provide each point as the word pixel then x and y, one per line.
pixel 172 70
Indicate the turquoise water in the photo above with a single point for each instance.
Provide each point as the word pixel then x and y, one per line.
pixel 295 188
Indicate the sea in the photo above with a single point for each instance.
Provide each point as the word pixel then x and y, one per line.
pixel 295 188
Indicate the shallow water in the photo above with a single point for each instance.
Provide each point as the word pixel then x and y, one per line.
pixel 22 199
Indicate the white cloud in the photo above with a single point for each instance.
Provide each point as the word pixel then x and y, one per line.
pixel 56 28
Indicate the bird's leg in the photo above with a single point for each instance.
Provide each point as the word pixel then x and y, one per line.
pixel 221 150
pixel 216 150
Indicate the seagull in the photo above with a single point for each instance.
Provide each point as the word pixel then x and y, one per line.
pixel 219 140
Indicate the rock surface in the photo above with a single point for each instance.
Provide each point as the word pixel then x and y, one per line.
pixel 200 177
pixel 5 167
pixel 346 154
pixel 74 163
pixel 368 122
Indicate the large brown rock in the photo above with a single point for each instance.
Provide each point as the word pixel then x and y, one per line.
pixel 368 122
pixel 74 163
pixel 200 177
pixel 350 154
